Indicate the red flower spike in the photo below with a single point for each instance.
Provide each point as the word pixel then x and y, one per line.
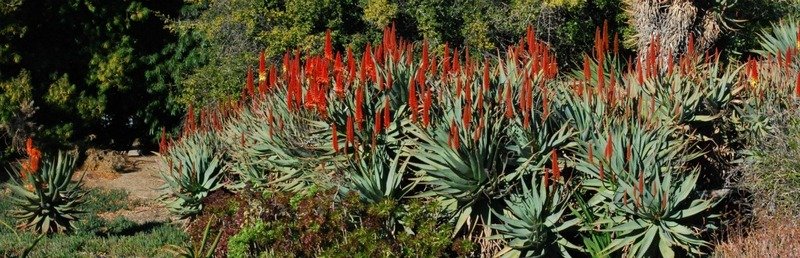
pixel 509 105
pixel 602 173
pixel 456 65
pixel 273 78
pixel 360 108
pixel 639 75
pixel 797 87
pixel 339 86
pixel 378 124
pixel 328 45
pixel 387 117
pixel 628 153
pixel 612 89
pixel 554 162
pixel 426 108
pixel 466 115
pixel 616 44
pixel 412 99
pixel 351 65
pixel 350 130
pixel 335 138
pixel 454 141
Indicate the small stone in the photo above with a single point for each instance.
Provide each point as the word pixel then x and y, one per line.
pixel 134 153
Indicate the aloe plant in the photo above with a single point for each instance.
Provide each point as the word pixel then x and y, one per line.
pixel 47 200
pixel 533 222
pixel 377 176
pixel 778 39
pixel 193 169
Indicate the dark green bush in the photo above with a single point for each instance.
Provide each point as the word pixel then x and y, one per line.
pixel 321 225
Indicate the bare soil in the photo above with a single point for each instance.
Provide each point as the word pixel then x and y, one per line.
pixel 139 176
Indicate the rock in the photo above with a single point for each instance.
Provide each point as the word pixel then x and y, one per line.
pixel 134 153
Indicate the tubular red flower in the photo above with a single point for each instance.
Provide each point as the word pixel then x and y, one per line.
pixel 378 125
pixel 797 87
pixel 351 65
pixel 601 174
pixel 454 138
pixel 335 138
pixel 387 117
pixel 360 108
pixel 273 77
pixel 426 108
pixel 328 45
pixel 350 130
pixel 509 105
pixel 554 162
pixel 412 99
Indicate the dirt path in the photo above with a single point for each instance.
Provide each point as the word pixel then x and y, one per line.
pixel 139 176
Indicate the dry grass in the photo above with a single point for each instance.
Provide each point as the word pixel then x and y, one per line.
pixel 774 237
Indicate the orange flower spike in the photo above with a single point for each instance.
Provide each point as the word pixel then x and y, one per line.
pixel 454 138
pixel 602 173
pixel 797 87
pixel 351 65
pixel 466 115
pixel 350 130
pixel 339 86
pixel 426 108
pixel 335 138
pixel 609 147
pixel 273 77
pixel 616 44
pixel 328 45
pixel 554 162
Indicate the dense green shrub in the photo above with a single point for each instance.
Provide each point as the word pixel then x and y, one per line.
pixel 318 225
